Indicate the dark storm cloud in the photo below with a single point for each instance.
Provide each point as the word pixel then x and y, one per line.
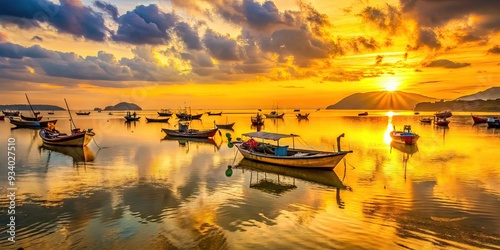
pixel 108 8
pixel 494 50
pixel 260 15
pixel 221 47
pixel 145 25
pixel 188 35
pixel 435 14
pixel 444 63
pixel 69 17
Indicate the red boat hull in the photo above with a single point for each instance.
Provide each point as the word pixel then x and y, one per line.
pixel 478 119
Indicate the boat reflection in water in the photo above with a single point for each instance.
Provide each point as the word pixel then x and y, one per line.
pixel 407 150
pixel 185 141
pixel 79 154
pixel 274 179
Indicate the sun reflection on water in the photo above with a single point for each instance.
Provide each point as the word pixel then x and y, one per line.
pixel 387 133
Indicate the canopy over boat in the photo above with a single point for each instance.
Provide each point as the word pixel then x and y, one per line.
pixel 269 135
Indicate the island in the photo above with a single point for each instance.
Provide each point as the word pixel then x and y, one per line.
pixel 461 105
pixel 123 106
pixel 27 107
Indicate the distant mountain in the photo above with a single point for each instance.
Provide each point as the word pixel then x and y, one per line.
pixel 123 106
pixel 381 100
pixel 461 105
pixel 489 94
pixel 27 107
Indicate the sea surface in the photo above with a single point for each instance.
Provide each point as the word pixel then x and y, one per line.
pixel 134 188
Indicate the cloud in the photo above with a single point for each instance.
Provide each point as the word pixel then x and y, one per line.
pixel 108 8
pixel 427 37
pixel 494 50
pixel 261 15
pixel 69 17
pixel 145 25
pixel 188 35
pixel 378 59
pixel 3 37
pixel 37 38
pixel 444 63
pixel 221 47
pixel 388 19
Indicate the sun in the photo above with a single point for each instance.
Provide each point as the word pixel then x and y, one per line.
pixel 391 85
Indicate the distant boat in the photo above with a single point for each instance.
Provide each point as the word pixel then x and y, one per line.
pixel 296 110
pixel 157 119
pixel 82 113
pixel 131 117
pixel 18 122
pixel 211 113
pixel 30 118
pixel 257 120
pixel 443 114
pixel 441 122
pixel 10 112
pixel 225 126
pixel 2 117
pixel 301 116
pixel 184 131
pixel 417 113
pixel 185 116
pixel 363 114
pixel 317 109
pixel 274 114
pixel 110 113
pixel 50 112
pixel 165 112
pixel 493 122
pixel 406 136
pixel 478 119
pixel 426 120
pixel 282 155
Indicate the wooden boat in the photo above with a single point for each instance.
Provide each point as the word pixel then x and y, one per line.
pixel 211 113
pixel 225 126
pixel 478 119
pixel 157 119
pixel 131 117
pixel 493 122
pixel 406 136
pixel 257 120
pixel 274 114
pixel 426 120
pixel 282 155
pixel 185 131
pixel 79 154
pixel 301 116
pixel 82 113
pixel 363 114
pixel 327 178
pixel 441 122
pixel 18 122
pixel 443 114
pixel 10 112
pixel 165 112
pixel 185 116
pixel 77 138
pixel 30 118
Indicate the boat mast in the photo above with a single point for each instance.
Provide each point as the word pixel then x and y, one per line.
pixel 34 115
pixel 70 117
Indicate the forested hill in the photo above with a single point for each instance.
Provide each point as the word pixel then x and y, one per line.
pixel 459 105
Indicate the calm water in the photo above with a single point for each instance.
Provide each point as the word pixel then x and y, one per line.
pixel 138 190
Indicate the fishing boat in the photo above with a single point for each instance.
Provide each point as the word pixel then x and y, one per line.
pixel 77 138
pixel 443 114
pixel 184 131
pixel 157 119
pixel 212 113
pixel 186 116
pixel 31 118
pixel 363 114
pixel 165 112
pixel 225 126
pixel 301 116
pixel 478 119
pixel 82 113
pixel 10 112
pixel 283 155
pixel 274 114
pixel 131 117
pixel 20 123
pixel 441 122
pixel 257 120
pixel 406 136
pixel 493 122
pixel 426 120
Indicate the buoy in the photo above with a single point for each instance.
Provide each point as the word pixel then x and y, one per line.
pixel 230 144
pixel 229 171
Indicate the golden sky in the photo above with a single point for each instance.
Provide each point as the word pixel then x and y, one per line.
pixel 243 54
